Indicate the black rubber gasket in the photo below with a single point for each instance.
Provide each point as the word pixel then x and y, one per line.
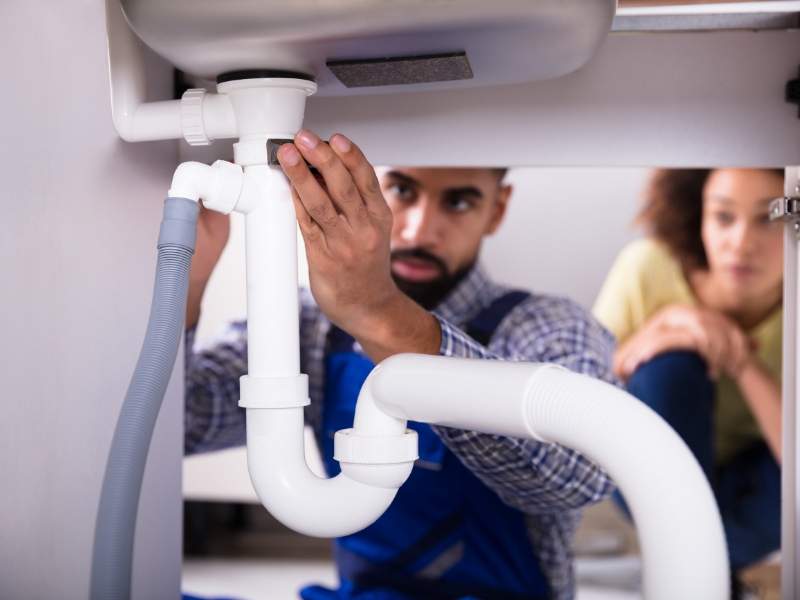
pixel 261 74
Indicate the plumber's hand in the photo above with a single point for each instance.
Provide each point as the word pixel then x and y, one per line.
pixel 346 225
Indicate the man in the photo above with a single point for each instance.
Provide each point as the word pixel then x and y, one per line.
pixel 481 516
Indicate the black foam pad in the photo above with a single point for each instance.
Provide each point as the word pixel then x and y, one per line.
pixel 401 70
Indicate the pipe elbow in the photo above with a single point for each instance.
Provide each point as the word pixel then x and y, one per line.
pixel 376 457
pixel 190 181
pixel 219 185
pixel 292 493
pixel 315 506
pixel 123 123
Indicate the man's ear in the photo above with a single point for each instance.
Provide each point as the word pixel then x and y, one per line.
pixel 499 208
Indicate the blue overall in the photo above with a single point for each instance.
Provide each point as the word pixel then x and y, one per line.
pixel 446 535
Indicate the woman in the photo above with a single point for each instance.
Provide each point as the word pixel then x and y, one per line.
pixel 696 309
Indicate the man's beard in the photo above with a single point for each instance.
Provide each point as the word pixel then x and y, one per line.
pixel 428 294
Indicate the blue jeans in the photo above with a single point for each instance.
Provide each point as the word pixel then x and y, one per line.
pixel 748 487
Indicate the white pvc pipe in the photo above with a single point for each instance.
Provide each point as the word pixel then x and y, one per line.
pixel 134 119
pixel 267 108
pixel 679 526
pixel 478 395
pixel 137 120
pixel 273 327
pixel 191 180
pixel 684 552
pixel 271 391
pixel 219 120
pixel 292 493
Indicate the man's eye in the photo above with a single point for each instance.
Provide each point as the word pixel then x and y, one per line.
pixel 459 204
pixel 401 191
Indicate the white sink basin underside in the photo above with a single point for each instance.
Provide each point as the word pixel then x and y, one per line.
pixel 506 41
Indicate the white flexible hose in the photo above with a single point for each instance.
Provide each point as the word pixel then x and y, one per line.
pixel 679 526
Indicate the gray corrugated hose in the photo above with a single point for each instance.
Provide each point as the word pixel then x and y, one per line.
pixel 112 555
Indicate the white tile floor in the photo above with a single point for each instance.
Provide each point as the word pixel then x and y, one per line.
pixel 262 579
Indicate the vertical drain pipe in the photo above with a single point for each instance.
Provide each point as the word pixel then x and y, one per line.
pixel 273 326
pixel 274 392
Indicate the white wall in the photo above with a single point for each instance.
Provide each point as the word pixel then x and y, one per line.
pixel 564 227
pixel 79 221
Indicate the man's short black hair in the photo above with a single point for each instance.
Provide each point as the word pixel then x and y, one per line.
pixel 501 173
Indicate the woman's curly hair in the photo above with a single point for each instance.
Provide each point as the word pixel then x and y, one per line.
pixel 673 213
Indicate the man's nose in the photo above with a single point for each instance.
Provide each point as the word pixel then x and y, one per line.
pixel 420 227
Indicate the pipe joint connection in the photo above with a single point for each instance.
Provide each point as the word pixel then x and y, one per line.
pixel 274 392
pixel 205 117
pixel 218 185
pixel 194 130
pixel 377 460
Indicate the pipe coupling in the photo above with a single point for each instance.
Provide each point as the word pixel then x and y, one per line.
pixel 192 125
pixel 273 392
pixel 377 460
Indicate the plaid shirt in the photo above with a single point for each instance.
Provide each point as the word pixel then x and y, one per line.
pixel 548 482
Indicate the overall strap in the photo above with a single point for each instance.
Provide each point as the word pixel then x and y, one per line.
pixel 338 340
pixel 482 327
